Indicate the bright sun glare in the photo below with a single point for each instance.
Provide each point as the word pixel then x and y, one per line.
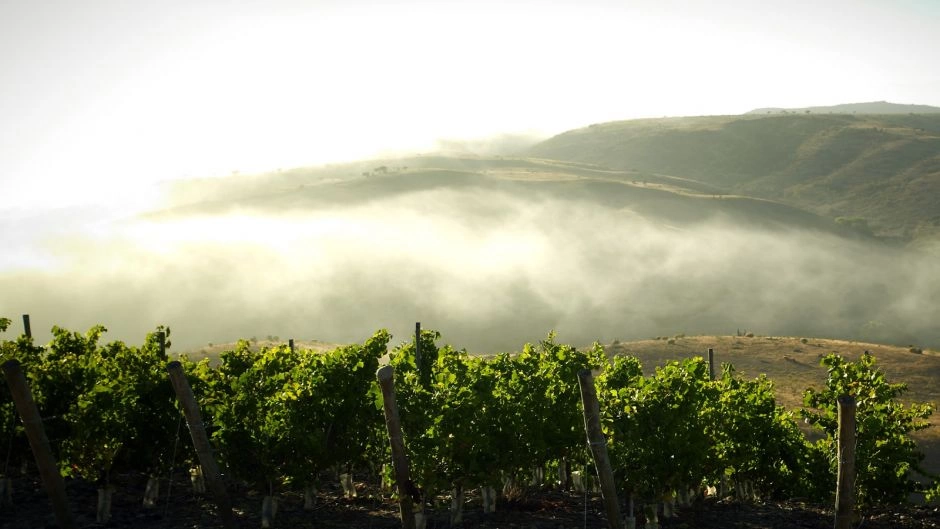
pixel 127 97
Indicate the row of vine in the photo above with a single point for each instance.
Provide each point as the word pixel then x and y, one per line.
pixel 280 417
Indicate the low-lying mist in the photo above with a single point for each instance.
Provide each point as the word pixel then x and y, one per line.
pixel 487 269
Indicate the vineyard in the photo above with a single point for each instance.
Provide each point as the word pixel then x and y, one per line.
pixel 286 422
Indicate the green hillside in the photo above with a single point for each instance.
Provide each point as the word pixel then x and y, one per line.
pixel 882 171
pixel 660 198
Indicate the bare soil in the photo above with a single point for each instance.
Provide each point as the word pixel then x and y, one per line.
pixel 179 508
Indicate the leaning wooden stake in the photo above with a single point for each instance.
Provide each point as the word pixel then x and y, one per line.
pixel 385 376
pixel 418 345
pixel 39 443
pixel 184 393
pixel 845 486
pixel 711 364
pixel 592 426
pixel 161 340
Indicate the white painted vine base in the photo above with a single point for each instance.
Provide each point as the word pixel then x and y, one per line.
pixel 456 506
pixel 152 492
pixel 651 510
pixel 669 505
pixel 538 477
pixel 577 481
pixel 421 520
pixel 198 480
pixel 349 489
pixel 268 511
pixel 310 497
pixel 489 499
pixel 104 504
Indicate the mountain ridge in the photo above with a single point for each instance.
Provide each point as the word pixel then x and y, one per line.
pixel 872 107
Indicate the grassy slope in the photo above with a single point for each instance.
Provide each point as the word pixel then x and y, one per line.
pixel 794 366
pixel 882 167
pixel 663 198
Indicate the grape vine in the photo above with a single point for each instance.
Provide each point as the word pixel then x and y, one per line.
pixel 280 417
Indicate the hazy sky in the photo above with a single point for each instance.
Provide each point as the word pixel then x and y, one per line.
pixel 99 98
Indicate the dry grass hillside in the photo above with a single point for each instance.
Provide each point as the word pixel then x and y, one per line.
pixel 794 366
pixel 213 350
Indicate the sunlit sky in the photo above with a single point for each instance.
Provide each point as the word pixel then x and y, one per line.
pixel 100 99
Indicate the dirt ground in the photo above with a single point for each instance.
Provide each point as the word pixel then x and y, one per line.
pixel 179 508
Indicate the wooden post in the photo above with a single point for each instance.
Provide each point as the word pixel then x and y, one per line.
pixel 26 328
pixel 592 426
pixel 38 442
pixel 418 345
pixel 711 363
pixel 290 342
pixel 201 442
pixel 161 339
pixel 385 376
pixel 845 486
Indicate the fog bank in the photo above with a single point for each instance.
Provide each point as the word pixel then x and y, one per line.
pixel 489 270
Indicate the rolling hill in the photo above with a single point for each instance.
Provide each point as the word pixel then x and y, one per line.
pixel 787 223
pixel 664 199
pixel 877 172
